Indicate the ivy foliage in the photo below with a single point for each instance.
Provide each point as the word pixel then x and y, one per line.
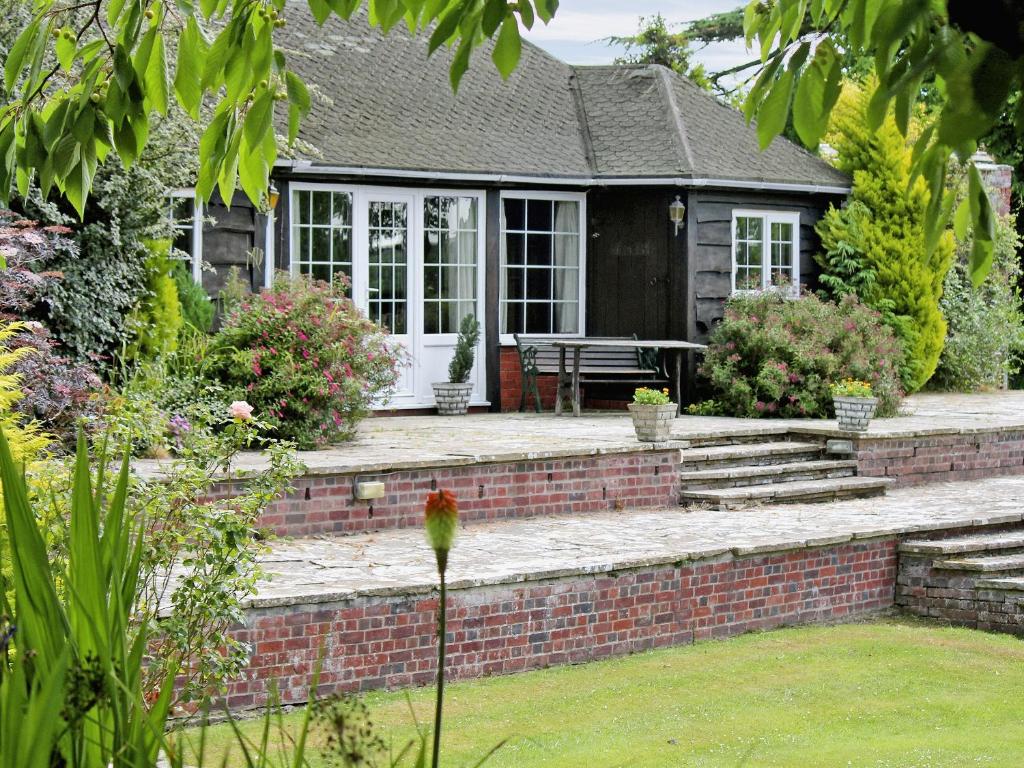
pixel 878 240
pixel 974 58
pixel 655 43
pixel 83 80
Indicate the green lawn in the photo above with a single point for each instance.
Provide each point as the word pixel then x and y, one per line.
pixel 888 693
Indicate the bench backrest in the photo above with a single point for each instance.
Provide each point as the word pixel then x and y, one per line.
pixel 540 354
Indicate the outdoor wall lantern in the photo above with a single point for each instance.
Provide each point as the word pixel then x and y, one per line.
pixel 676 212
pixel 273 196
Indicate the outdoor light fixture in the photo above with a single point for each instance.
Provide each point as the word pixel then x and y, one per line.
pixel 273 196
pixel 676 212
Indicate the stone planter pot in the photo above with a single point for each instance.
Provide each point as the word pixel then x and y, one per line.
pixel 854 413
pixel 452 399
pixel 653 423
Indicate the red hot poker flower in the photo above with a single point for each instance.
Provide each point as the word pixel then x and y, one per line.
pixel 441 518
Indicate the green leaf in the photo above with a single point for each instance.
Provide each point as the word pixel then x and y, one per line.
pixel 984 227
pixel 460 63
pixel 495 12
pixel 298 103
pixel 16 56
pixel 66 47
pixel 188 74
pixel 445 28
pixel 771 117
pixel 156 77
pixel 321 11
pixel 508 48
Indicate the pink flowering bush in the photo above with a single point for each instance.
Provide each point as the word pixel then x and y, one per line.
pixel 305 359
pixel 772 356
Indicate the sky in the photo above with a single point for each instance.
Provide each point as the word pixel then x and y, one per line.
pixel 576 33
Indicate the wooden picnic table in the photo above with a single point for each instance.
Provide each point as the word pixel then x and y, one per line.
pixel 674 346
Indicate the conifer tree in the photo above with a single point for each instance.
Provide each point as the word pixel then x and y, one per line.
pixel 883 227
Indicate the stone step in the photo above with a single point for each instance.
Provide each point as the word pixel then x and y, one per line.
pixel 748 454
pixel 1001 564
pixel 984 542
pixel 783 493
pixel 1008 583
pixel 730 477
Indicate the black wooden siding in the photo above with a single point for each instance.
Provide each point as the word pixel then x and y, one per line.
pixel 709 247
pixel 233 238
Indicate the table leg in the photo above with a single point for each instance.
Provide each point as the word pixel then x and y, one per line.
pixel 563 377
pixel 576 381
pixel 679 381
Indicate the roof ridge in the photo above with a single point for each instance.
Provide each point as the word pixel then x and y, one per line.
pixel 586 139
pixel 676 116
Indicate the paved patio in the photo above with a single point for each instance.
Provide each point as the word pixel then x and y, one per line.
pixel 408 442
pixel 400 562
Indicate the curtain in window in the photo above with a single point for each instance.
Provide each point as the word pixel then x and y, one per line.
pixel 566 255
pixel 464 238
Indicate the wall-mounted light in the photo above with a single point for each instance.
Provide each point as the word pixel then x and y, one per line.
pixel 677 212
pixel 273 196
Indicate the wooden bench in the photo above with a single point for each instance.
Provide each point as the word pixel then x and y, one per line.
pixel 598 365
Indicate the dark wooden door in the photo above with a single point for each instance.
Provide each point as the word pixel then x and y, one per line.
pixel 629 286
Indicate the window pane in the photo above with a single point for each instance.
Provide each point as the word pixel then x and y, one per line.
pixel 467 213
pixel 515 214
pixel 538 317
pixel 538 250
pixel 538 284
pixel 567 284
pixel 514 318
pixel 342 209
pixel 538 215
pixel 515 249
pixel 321 208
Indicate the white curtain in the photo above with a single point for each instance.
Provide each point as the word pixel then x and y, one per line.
pixel 567 254
pixel 463 241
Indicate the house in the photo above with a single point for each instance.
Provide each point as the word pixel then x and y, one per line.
pixel 540 203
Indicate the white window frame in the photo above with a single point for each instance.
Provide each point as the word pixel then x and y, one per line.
pixel 189 193
pixel 416 227
pixel 768 217
pixel 581 199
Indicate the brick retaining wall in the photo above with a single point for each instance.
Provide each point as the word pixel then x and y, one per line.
pixel 324 504
pixel 941 458
pixel 953 596
pixel 388 642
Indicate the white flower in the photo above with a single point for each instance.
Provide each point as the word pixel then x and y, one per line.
pixel 240 410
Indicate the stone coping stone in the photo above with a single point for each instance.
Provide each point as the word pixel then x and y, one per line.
pixel 981 542
pixel 399 563
pixel 1007 583
pixel 982 564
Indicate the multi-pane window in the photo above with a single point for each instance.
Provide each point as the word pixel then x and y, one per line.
pixel 450 241
pixel 541 274
pixel 765 251
pixel 388 234
pixel 322 233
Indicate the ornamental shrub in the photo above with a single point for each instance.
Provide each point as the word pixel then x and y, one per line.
pixel 772 356
pixel 986 324
pixel 875 246
pixel 308 361
pixel 465 350
pixel 156 320
pixel 196 308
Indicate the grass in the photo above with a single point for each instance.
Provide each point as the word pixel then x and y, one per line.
pixel 887 693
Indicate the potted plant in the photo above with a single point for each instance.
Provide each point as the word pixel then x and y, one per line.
pixel 452 396
pixel 652 412
pixel 854 404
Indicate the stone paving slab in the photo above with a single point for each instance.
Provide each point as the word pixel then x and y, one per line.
pixel 400 562
pixel 411 442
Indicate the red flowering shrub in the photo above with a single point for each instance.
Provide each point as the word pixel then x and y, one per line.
pixel 307 360
pixel 773 356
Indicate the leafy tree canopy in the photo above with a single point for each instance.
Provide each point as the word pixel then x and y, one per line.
pixel 973 52
pixel 655 43
pixel 84 77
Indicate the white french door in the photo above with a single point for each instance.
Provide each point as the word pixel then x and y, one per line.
pixel 415 259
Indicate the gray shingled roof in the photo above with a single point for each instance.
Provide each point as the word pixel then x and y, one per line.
pixel 381 103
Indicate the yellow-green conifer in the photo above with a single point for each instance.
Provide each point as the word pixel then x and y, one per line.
pixel 885 230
